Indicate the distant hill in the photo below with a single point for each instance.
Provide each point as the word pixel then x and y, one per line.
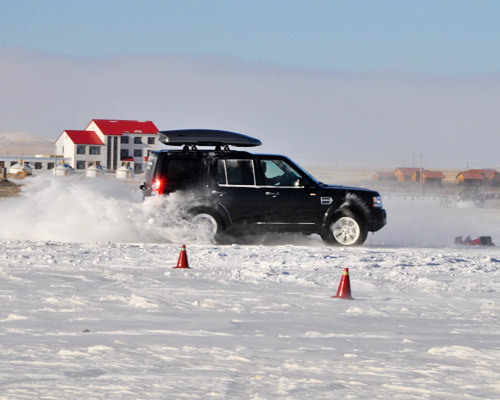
pixel 24 144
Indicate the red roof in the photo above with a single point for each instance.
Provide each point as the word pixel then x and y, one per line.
pixel 407 171
pixel 117 127
pixel 84 137
pixel 486 172
pixel 472 175
pixel 433 174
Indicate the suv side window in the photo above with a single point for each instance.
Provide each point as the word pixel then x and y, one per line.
pixel 279 173
pixel 236 172
pixel 182 172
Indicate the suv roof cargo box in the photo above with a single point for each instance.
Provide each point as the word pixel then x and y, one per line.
pixel 207 137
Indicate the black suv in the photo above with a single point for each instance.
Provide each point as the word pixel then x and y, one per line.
pixel 236 192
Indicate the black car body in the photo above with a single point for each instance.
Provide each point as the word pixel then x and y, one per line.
pixel 237 192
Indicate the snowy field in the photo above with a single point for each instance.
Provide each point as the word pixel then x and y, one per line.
pixel 91 307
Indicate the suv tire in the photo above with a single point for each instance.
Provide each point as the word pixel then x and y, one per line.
pixel 208 224
pixel 345 229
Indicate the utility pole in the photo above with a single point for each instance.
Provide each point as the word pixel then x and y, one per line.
pixel 421 169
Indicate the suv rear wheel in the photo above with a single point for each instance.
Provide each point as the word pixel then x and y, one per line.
pixel 345 229
pixel 207 225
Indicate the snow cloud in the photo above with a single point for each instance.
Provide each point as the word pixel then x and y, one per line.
pixel 78 209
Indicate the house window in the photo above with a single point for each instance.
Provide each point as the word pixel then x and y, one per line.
pixel 80 149
pixel 50 165
pixel 151 140
pixel 137 153
pixel 137 140
pixel 80 165
pixel 13 163
pixel 124 139
pixel 138 168
pixel 38 165
pixel 95 150
pixel 123 153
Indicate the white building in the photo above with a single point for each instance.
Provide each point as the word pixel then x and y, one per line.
pixel 108 143
pixel 39 163
pixel 81 148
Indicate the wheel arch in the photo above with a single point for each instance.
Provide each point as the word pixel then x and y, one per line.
pixel 351 203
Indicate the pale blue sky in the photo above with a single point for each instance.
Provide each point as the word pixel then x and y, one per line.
pixel 436 37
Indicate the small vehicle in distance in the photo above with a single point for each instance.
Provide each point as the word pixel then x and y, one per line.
pixel 236 192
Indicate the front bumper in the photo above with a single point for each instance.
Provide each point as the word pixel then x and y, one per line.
pixel 379 219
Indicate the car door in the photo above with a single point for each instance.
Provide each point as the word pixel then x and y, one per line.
pixel 290 197
pixel 236 189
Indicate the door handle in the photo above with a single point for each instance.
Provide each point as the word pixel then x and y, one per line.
pixel 274 194
pixel 216 192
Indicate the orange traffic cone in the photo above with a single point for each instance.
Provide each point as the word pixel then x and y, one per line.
pixel 183 259
pixel 344 291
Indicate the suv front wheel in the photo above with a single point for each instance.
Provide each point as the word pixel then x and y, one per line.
pixel 345 229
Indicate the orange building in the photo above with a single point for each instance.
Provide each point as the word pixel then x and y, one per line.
pixel 405 174
pixel 428 177
pixel 384 177
pixel 470 178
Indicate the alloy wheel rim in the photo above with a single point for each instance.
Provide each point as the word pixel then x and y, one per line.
pixel 346 230
pixel 206 224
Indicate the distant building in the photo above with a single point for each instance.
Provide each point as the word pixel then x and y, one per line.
pixel 82 148
pixel 495 178
pixel 39 163
pixel 108 143
pixel 471 178
pixel 405 174
pixel 384 177
pixel 428 177
pixel 477 177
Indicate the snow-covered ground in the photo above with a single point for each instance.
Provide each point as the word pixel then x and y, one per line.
pixel 92 308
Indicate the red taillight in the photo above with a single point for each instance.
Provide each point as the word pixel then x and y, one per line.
pixel 157 186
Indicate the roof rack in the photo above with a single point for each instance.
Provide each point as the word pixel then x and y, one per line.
pixel 207 137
